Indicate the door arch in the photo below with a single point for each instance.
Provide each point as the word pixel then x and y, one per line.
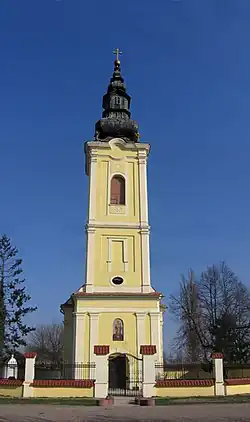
pixel 118 365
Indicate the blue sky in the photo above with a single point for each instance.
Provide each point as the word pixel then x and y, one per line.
pixel 186 64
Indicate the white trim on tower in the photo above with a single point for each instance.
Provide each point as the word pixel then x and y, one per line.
pixel 78 330
pixel 93 333
pixel 92 185
pixel 140 330
pixel 155 331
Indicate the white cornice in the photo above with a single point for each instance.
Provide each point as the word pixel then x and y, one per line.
pixel 145 228
pixel 131 146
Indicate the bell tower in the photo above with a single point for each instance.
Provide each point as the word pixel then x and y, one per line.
pixel 117 305
pixel 118 257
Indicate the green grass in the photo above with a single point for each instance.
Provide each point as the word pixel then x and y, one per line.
pixel 166 401
pixel 61 401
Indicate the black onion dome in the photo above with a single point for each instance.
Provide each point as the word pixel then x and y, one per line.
pixel 116 121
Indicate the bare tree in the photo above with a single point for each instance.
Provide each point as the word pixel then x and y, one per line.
pixel 214 314
pixel 186 307
pixel 47 342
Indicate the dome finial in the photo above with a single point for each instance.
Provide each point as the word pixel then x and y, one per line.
pixel 117 52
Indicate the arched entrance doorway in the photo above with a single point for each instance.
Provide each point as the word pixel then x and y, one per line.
pixel 118 372
pixel 125 375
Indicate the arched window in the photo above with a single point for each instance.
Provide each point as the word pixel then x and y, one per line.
pixel 117 193
pixel 118 330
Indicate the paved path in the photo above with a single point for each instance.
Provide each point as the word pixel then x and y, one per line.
pixel 182 413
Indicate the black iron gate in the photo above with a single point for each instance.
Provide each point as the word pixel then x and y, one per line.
pixel 125 375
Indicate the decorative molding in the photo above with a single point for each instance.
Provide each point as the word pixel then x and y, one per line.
pixel 116 224
pixel 135 146
pixel 118 288
pixel 117 209
pixel 94 315
pixel 114 310
pixel 90 229
pixel 140 315
pixel 99 295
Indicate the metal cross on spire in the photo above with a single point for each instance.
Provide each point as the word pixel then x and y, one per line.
pixel 117 52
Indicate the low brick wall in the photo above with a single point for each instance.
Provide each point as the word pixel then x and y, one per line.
pixel 63 388
pixel 184 388
pixel 11 388
pixel 237 386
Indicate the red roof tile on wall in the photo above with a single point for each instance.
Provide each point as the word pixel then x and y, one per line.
pixel 185 383
pixel 217 355
pixel 238 381
pixel 148 349
pixel 101 350
pixel 64 383
pixel 30 355
pixel 11 383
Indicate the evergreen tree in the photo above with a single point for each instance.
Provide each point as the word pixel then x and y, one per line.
pixel 13 300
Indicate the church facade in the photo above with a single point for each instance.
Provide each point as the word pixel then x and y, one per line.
pixel 117 306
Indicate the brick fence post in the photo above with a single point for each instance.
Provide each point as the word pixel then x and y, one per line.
pixel 29 376
pixel 148 353
pixel 101 362
pixel 218 374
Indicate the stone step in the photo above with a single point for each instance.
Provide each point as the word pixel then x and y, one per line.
pixel 124 401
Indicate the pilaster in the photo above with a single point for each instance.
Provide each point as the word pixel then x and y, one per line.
pixel 79 329
pixel 90 258
pixel 146 285
pixel 143 186
pixel 140 330
pixel 155 330
pixel 93 333
pixel 92 184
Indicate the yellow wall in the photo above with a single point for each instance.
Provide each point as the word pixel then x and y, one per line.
pixel 237 389
pixel 124 247
pixel 184 391
pixel 121 303
pixel 106 331
pixel 63 392
pixel 124 163
pixel 11 391
pixel 106 322
pixel 117 251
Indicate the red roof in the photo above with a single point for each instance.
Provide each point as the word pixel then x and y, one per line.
pixel 63 383
pixel 101 350
pixel 148 349
pixel 30 355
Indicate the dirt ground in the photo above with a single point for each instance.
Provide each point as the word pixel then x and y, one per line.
pixel 181 413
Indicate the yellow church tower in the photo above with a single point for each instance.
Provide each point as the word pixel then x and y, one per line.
pixel 117 306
